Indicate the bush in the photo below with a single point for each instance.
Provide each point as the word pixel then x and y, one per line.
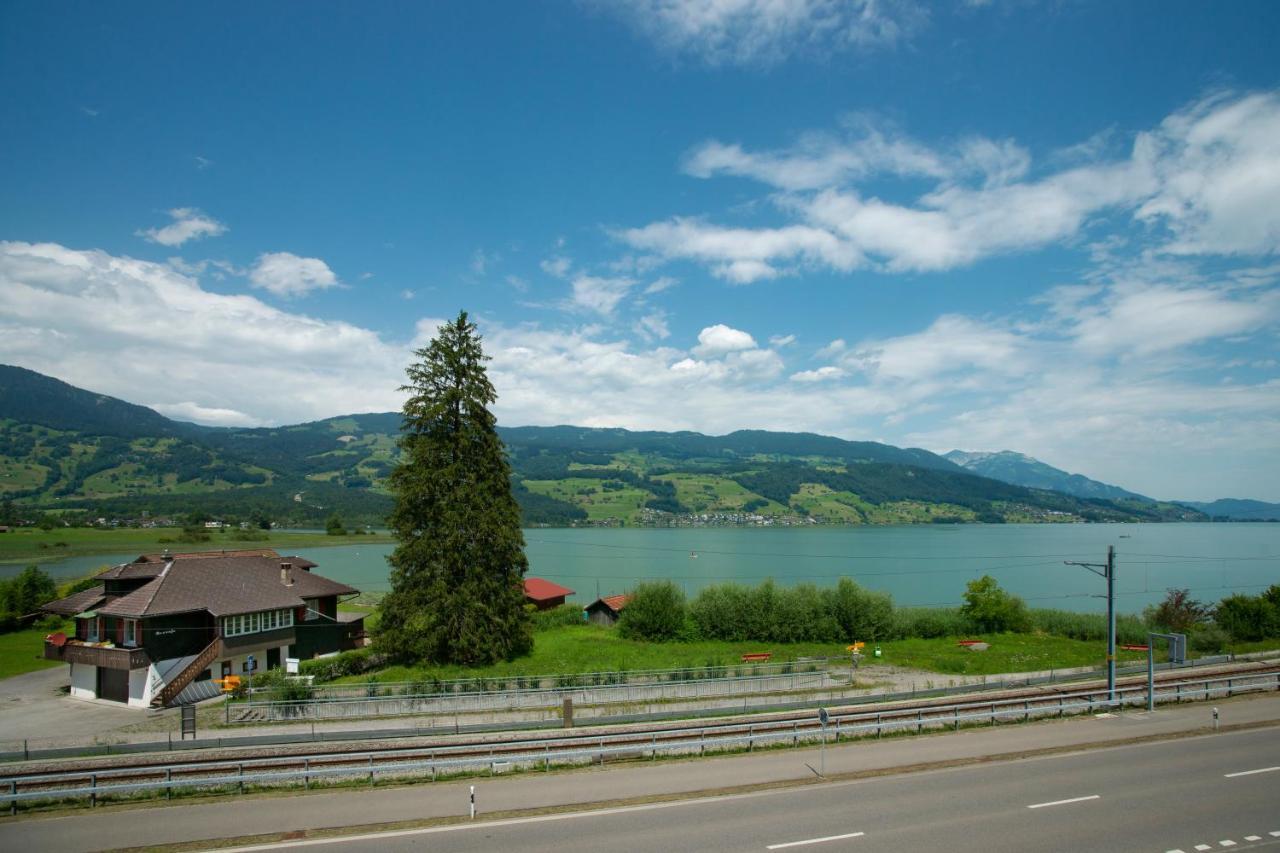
pixel 565 614
pixel 1087 626
pixel 1208 638
pixel 927 623
pixel 989 609
pixel 341 665
pixel 859 613
pixel 1179 613
pixel 655 611
pixel 1249 617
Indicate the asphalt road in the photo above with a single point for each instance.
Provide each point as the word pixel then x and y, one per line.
pixel 950 815
pixel 1150 797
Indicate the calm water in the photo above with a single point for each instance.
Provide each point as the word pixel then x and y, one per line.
pixel 918 565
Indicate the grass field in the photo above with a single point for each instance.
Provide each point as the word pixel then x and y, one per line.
pixel 590 648
pixel 21 651
pixel 710 493
pixel 600 503
pixel 24 543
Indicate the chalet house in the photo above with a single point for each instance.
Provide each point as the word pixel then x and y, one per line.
pixel 543 594
pixel 604 611
pixel 157 631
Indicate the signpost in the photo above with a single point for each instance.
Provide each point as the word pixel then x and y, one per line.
pixel 188 721
pixel 823 716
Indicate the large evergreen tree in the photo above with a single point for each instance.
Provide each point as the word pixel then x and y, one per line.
pixel 456 578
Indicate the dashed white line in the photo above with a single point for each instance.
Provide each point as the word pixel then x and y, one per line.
pixel 1253 838
pixel 1065 802
pixel 814 840
pixel 1175 850
pixel 1250 772
pixel 1226 842
pixel 1204 846
pixel 1275 833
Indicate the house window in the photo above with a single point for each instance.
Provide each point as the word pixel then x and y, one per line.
pixel 253 623
pixel 131 632
pixel 313 609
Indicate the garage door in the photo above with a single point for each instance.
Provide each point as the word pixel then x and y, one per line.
pixel 113 684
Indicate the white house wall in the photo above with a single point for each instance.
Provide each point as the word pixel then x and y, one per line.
pixel 84 681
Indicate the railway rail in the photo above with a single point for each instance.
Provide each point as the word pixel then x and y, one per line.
pixel 95 779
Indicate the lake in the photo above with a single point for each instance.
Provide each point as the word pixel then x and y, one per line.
pixel 917 565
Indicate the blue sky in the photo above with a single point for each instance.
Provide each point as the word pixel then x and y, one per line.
pixel 1039 226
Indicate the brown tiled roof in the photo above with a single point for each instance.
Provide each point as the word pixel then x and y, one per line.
pixel 223 586
pixel 78 602
pixel 131 571
pixel 246 552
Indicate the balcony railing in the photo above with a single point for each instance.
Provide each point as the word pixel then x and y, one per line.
pixel 97 654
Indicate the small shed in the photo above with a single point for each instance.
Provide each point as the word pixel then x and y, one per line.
pixel 604 611
pixel 544 594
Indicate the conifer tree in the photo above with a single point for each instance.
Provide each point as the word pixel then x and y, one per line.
pixel 456 578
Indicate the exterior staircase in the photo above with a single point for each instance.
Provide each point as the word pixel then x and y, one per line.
pixel 198 664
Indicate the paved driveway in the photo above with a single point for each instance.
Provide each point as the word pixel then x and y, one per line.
pixel 33 706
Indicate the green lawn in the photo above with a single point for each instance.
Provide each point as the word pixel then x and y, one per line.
pixel 24 543
pixel 21 651
pixel 590 648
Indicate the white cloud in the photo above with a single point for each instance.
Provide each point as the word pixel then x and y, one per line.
pixel 114 324
pixel 822 374
pixel 202 163
pixel 210 416
pixel 780 341
pixel 481 261
pixel 557 266
pixel 951 344
pixel 741 255
pixel 188 224
pixel 1219 167
pixel 653 326
pixel 660 284
pixel 720 339
pixel 1203 182
pixel 286 274
pixel 600 294
pixel 517 282
pixel 407 294
pixel 740 32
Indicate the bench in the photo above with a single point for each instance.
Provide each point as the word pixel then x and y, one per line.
pixel 756 657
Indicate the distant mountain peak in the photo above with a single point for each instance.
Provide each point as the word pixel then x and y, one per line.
pixel 1019 469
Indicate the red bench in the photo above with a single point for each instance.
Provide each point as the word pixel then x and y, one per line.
pixel 756 657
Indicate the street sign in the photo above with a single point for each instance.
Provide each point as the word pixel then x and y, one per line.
pixel 823 716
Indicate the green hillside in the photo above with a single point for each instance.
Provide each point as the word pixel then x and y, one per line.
pixel 73 451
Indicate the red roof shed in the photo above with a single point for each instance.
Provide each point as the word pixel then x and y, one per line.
pixel 544 594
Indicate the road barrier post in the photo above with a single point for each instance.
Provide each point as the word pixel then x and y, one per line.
pixel 473 802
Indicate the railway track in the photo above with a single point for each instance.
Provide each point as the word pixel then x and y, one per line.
pixel 618 741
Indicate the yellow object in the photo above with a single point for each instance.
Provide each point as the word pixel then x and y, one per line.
pixel 229 684
pixel 856 647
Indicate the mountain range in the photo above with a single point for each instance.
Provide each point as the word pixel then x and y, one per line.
pixel 63 448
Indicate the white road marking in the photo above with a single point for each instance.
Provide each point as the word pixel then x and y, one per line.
pixel 1250 772
pixel 1204 846
pixel 1064 802
pixel 1227 843
pixel 1253 838
pixel 1174 851
pixel 1275 833
pixel 814 840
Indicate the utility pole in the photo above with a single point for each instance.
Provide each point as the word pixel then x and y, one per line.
pixel 1107 570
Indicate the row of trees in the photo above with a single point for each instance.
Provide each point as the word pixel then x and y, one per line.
pixel 659 611
pixel 21 597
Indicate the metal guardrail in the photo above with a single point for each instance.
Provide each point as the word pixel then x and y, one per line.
pixel 850 725
pixel 30 752
pixel 527 699
pixel 363 706
pixel 580 680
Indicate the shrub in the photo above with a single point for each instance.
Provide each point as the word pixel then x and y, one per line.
pixel 565 614
pixel 341 665
pixel 655 611
pixel 927 622
pixel 1207 638
pixel 1249 617
pixel 859 613
pixel 1179 613
pixel 989 609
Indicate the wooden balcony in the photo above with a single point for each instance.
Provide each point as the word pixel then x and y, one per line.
pixel 96 654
